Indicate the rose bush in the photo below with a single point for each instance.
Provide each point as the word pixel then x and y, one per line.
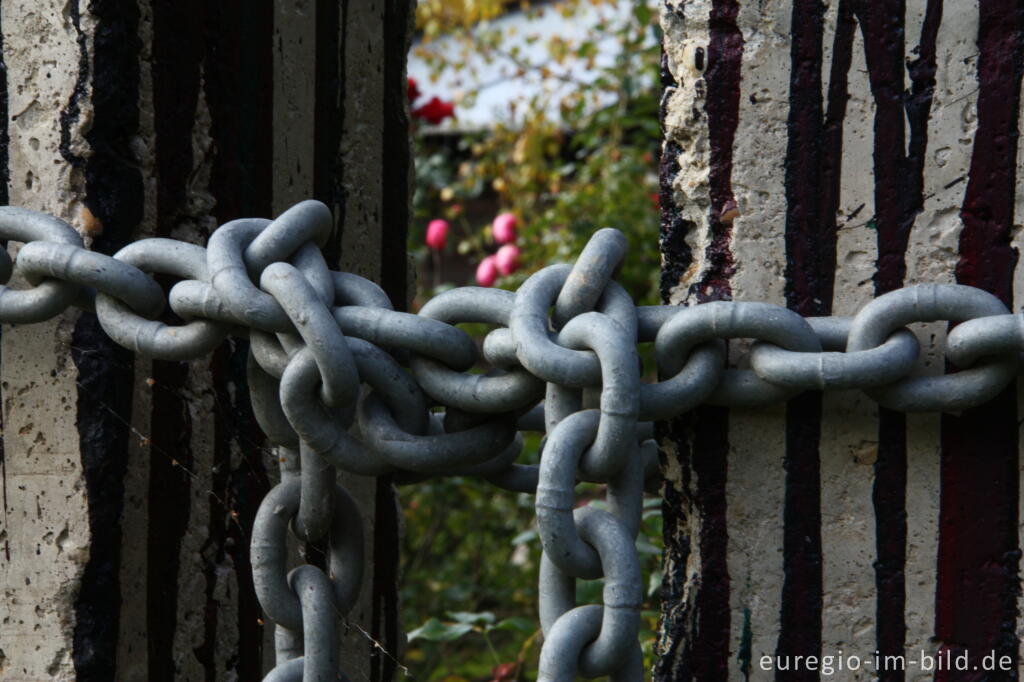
pixel 521 195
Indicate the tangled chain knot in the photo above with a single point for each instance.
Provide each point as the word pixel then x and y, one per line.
pixel 340 380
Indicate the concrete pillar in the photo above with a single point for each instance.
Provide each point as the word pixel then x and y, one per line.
pixel 817 155
pixel 129 486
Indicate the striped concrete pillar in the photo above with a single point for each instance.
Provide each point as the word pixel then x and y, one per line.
pixel 129 487
pixel 817 155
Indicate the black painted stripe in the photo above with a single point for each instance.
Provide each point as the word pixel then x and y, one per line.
pixel 832 141
pixel 678 621
pixel 238 492
pixel 177 50
pixel 71 113
pixel 882 28
pixel 676 254
pixel 397 153
pixel 238 68
pixel 810 272
pixel 5 139
pixel 329 117
pixel 709 458
pixel 696 616
pixel 114 191
pixel 889 499
pixel 384 625
pixel 979 546
pixel 899 198
pixel 395 218
pixel 5 179
pixel 677 612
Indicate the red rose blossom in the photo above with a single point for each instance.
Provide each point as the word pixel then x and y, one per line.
pixel 435 111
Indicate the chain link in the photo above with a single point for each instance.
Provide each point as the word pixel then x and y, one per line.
pixel 340 380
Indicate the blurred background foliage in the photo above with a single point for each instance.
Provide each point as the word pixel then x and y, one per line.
pixel 565 162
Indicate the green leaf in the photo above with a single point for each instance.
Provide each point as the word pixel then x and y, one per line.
pixel 528 535
pixel 653 583
pixel 645 547
pixel 518 624
pixel 436 631
pixel 470 617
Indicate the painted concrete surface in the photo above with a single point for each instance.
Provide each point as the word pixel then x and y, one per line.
pixel 130 485
pixel 753 159
pixel 45 529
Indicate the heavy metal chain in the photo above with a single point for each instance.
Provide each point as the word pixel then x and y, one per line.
pixel 340 380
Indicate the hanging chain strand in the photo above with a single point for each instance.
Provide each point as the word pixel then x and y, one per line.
pixel 340 380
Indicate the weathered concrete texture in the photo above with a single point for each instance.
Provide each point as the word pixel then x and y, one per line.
pixel 142 477
pixel 848 171
pixel 45 525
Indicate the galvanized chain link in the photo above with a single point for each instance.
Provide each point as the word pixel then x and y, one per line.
pixel 340 380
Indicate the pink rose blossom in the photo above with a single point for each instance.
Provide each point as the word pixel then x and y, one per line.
pixel 504 228
pixel 507 259
pixel 437 234
pixel 486 272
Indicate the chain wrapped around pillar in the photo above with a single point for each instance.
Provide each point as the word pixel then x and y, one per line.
pixel 341 381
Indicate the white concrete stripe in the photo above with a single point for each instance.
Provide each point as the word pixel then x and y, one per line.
pixel 755 488
pixel 849 430
pixel 755 494
pixel 45 522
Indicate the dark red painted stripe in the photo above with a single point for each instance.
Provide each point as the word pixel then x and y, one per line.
pixel 238 70
pixel 722 75
pixel 696 635
pixel 979 549
pixel 710 650
pixel 810 272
